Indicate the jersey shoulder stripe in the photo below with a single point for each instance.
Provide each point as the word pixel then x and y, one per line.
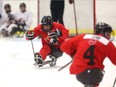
pixel 101 39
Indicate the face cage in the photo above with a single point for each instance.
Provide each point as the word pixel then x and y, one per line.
pixel 47 30
pixel 109 35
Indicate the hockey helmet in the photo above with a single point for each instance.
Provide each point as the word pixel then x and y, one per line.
pixel 46 20
pixel 105 30
pixel 22 5
pixel 7 6
pixel 102 28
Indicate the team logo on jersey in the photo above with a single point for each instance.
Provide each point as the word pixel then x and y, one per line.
pixel 47 39
pixel 92 42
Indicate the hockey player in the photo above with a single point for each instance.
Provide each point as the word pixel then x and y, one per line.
pixel 1 3
pixel 88 52
pixel 23 20
pixel 53 35
pixel 7 20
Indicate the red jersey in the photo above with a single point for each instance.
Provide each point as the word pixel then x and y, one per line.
pixel 46 39
pixel 89 51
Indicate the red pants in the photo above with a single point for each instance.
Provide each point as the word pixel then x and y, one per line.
pixel 45 50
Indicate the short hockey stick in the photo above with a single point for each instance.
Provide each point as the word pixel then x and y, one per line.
pixel 114 82
pixel 32 47
pixel 65 65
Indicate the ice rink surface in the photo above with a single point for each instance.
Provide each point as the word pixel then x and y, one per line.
pixel 17 70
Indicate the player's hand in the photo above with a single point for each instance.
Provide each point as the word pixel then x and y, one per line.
pixel 55 34
pixel 29 35
pixel 23 23
pixel 71 1
pixel 53 41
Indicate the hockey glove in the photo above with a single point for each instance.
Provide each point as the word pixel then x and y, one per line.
pixel 53 41
pixel 22 22
pixel 29 35
pixel 71 1
pixel 55 34
pixel 11 17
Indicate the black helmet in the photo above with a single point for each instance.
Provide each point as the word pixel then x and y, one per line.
pixel 22 5
pixel 46 20
pixel 7 6
pixel 102 28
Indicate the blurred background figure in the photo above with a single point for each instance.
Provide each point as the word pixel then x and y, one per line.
pixel 7 19
pixel 23 20
pixel 0 12
pixel 0 8
pixel 57 10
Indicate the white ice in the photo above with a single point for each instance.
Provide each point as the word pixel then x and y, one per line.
pixel 17 70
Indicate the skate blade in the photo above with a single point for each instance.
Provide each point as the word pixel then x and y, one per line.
pixel 45 63
pixel 39 65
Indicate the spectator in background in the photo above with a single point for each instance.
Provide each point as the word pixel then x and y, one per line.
pixel 57 10
pixel 23 20
pixel 0 9
pixel 1 4
pixel 7 19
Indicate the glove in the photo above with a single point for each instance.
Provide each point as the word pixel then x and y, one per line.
pixel 30 35
pixel 71 1
pixel 11 17
pixel 53 41
pixel 55 34
pixel 22 22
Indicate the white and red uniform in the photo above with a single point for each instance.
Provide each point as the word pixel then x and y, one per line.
pixel 88 48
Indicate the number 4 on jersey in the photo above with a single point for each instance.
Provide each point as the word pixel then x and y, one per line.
pixel 89 54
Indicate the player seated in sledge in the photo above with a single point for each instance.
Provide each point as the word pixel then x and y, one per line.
pixel 53 35
pixel 7 21
pixel 23 20
pixel 88 52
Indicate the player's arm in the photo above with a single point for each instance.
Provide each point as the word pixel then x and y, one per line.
pixel 111 52
pixel 70 46
pixel 58 35
pixel 64 31
pixel 61 33
pixel 31 34
pixel 29 20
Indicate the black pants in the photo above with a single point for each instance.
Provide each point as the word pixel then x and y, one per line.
pixel 56 52
pixel 90 77
pixel 57 14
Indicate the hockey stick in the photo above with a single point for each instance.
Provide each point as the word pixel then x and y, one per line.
pixel 75 17
pixel 114 82
pixel 65 65
pixel 32 47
